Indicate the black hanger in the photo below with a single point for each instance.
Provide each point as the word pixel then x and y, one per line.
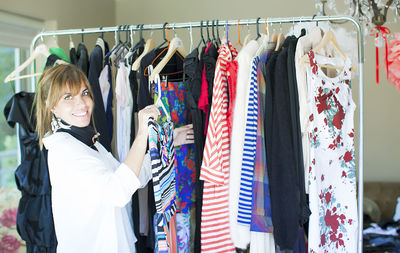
pixel 124 45
pixel 165 38
pixel 139 44
pixel 258 29
pixel 102 33
pixel 82 35
pixel 218 38
pixel 208 33
pixel 201 34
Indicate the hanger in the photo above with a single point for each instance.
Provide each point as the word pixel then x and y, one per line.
pixel 218 38
pixel 280 40
pixel 125 45
pixel 41 49
pixel 258 28
pixel 239 43
pixel 191 35
pixel 165 30
pixel 263 41
pixel 180 50
pixel 174 45
pixel 147 48
pixel 71 43
pixel 208 34
pixel 247 38
pixel 214 39
pixel 100 41
pixel 329 37
pixel 201 34
pixel 159 102
pixel 130 52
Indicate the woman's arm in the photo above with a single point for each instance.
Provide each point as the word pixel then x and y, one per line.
pixel 135 156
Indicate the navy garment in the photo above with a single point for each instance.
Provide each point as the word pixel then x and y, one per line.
pixel 35 222
pixel 295 128
pixel 99 114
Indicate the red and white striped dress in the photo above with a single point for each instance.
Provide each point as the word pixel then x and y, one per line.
pixel 215 233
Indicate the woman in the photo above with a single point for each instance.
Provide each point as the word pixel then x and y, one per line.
pixel 90 188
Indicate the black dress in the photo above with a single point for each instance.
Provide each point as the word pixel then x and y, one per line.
pixel 35 218
pixel 193 70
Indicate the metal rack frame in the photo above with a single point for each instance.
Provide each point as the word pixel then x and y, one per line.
pixel 360 39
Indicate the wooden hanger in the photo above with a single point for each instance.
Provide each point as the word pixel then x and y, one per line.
pixel 147 48
pixel 39 50
pixel 175 45
pixel 279 41
pixel 329 37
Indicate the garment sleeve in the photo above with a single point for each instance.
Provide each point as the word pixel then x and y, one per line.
pixel 89 177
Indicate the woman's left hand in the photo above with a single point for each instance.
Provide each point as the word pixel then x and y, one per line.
pixel 183 135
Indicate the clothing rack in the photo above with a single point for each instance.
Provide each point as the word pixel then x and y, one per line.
pixel 257 21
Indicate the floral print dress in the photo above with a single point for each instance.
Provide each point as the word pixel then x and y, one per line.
pixel 332 179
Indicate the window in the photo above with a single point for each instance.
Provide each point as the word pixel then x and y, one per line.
pixel 16 34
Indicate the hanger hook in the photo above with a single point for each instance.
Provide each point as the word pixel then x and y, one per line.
pixel 208 33
pixel 127 32
pixel 238 30
pixel 164 28
pixel 201 31
pixel 213 27
pixel 191 36
pixel 82 35
pixel 280 26
pixel 119 35
pixel 131 34
pixel 173 29
pixel 151 31
pixel 258 28
pixel 217 26
pixel 166 32
pixel 266 27
pixel 226 30
pixel 102 33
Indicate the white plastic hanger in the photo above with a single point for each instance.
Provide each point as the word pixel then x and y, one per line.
pixel 39 50
pixel 329 37
pixel 158 102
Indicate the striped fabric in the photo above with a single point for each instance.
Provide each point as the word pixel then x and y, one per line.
pixel 249 149
pixel 261 220
pixel 162 155
pixel 215 235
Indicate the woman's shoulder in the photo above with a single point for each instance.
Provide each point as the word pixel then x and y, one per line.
pixel 62 141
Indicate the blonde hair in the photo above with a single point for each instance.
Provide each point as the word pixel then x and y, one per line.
pixel 52 86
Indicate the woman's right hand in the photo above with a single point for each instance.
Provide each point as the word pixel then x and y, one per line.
pixel 150 111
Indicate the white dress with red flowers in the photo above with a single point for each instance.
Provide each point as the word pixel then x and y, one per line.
pixel 332 174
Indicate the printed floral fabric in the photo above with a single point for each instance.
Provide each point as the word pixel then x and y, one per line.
pixel 183 232
pixel 332 179
pixel 173 97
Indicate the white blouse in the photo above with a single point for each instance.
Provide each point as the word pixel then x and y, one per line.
pixel 90 190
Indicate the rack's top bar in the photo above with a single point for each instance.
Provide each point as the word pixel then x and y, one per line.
pixel 197 24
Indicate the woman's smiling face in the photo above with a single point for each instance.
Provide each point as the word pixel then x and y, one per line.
pixel 76 109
